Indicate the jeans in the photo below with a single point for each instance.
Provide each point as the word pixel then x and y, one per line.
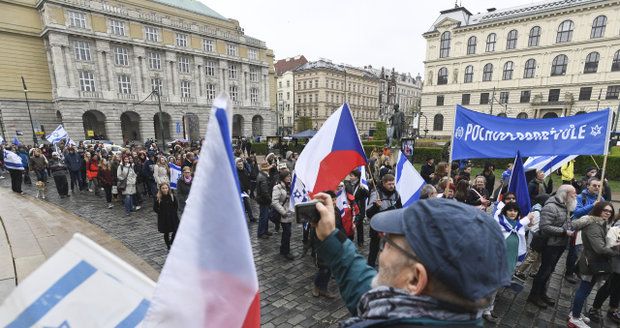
pixel 263 220
pixel 585 287
pixel 321 279
pixel 248 208
pixel 108 193
pixel 76 179
pixel 41 175
pixel 82 180
pixel 27 177
pixel 610 289
pixel 16 180
pixel 61 185
pixel 571 258
pixel 285 241
pixel 373 249
pixel 128 202
pixel 549 258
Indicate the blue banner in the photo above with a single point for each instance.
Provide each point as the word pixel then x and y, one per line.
pixel 478 135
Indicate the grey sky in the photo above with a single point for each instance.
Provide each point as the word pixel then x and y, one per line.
pixel 357 32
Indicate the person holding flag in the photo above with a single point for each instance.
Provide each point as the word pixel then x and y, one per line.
pixel 384 198
pixel 353 185
pixel 14 164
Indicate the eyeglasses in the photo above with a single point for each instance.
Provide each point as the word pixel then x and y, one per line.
pixel 386 239
pixel 607 211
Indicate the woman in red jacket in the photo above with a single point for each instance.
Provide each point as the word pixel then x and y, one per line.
pixel 92 171
pixel 106 179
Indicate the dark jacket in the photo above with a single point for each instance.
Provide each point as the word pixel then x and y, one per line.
pixel 183 189
pixel 263 189
pixel 473 198
pixel 490 182
pixel 167 216
pixel 57 167
pixel 73 161
pixel 38 163
pixel 534 188
pixel 244 180
pixel 360 194
pixel 389 201
pixel 24 156
pixel 105 177
pixel 426 171
pixel 555 221
pixel 594 245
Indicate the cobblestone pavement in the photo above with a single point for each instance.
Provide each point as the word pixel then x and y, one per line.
pixel 285 286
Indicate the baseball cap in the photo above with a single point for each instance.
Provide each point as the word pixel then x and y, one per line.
pixel 458 244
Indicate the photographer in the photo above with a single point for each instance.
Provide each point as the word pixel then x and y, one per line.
pixel 431 271
pixel 385 198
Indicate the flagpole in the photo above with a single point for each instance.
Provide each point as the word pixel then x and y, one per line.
pixel 595 163
pixel 608 134
pixel 450 154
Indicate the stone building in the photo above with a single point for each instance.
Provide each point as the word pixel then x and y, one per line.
pixel 103 59
pixel 548 59
pixel 286 92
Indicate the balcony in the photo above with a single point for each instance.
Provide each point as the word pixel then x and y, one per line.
pixel 190 100
pixel 90 94
pixel 126 96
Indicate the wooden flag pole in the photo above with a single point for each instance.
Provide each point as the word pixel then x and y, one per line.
pixel 595 163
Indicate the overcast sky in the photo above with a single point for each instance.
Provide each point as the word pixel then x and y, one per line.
pixel 357 32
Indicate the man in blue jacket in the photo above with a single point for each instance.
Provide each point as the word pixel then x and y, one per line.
pixel 440 262
pixel 73 161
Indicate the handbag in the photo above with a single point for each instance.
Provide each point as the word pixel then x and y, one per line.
pixel 114 190
pixel 598 267
pixel 121 185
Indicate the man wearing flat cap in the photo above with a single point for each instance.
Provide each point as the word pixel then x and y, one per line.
pixel 440 262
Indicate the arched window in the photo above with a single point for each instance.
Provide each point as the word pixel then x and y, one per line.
pixel 511 40
pixel 558 66
pixel 591 65
pixel 471 45
pixel 522 115
pixel 491 41
pixel 530 68
pixel 534 37
pixel 442 76
pixel 508 69
pixel 444 46
pixel 502 115
pixel 469 74
pixel 615 65
pixel 438 122
pixel 487 72
pixel 598 27
pixel 581 112
pixel 565 31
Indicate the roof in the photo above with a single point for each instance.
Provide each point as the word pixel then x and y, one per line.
pixel 284 65
pixel 320 64
pixel 193 6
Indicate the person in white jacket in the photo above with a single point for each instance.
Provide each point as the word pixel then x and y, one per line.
pixel 161 171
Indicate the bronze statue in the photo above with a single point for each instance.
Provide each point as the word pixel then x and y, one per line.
pixel 397 122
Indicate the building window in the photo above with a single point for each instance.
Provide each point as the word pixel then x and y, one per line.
pixel 124 84
pixel 210 68
pixel 554 95
pixel 565 31
pixel 465 98
pixel 491 41
pixel 234 93
pixel 484 98
pixel 121 56
pixel 87 81
pixel 598 27
pixel 585 93
pixel 615 65
pixel 530 68
pixel 254 72
pixel 154 60
pixel 231 50
pixel 156 85
pixel 503 97
pixel 207 45
pixel 522 115
pixel 254 96
pixel 210 91
pixel 183 64
pixel 469 74
pixel 487 72
pixel 444 45
pixel 558 66
pixel 440 100
pixel 534 38
pixel 186 89
pixel 77 19
pixel 508 69
pixel 591 65
pixel 442 76
pixel 438 122
pixel 511 41
pixel 232 71
pixel 151 33
pixel 612 92
pixel 252 54
pixel 471 45
pixel 525 96
pixel 82 50
pixel 181 40
pixel 117 27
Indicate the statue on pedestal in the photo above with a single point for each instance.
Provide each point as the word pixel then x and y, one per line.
pixel 397 124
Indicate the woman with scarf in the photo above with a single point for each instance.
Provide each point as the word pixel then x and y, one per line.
pixel 279 201
pixel 166 207
pixel 161 171
pixel 183 187
pixel 127 177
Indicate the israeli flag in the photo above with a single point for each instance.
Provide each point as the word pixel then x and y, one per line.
pixel 16 141
pixel 342 203
pixel 409 182
pixel 70 142
pixel 363 179
pixel 547 164
pixel 58 134
pixel 299 193
pixel 175 174
pixel 12 161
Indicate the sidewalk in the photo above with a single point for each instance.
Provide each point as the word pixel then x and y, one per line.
pixel 31 231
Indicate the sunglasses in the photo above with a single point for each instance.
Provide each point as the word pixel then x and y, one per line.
pixel 386 239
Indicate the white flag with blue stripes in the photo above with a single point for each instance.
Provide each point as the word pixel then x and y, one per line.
pixel 175 174
pixel 58 134
pixel 12 161
pixel 547 164
pixel 409 182
pixel 299 193
pixel 363 179
pixel 81 285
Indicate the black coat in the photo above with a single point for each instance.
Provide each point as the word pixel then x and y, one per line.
pixel 244 180
pixel 426 171
pixel 167 216
pixel 263 189
pixel 183 189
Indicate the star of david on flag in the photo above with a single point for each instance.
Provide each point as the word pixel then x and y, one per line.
pixel 298 192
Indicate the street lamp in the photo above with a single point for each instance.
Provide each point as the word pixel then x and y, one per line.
pixel 34 136
pixel 161 118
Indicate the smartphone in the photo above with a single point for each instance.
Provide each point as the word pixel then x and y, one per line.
pixel 307 212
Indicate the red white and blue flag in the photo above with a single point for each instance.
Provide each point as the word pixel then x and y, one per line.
pixel 209 278
pixel 333 152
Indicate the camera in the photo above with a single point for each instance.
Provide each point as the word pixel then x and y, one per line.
pixel 307 212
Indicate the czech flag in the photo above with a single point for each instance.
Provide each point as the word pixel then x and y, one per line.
pixel 209 278
pixel 333 152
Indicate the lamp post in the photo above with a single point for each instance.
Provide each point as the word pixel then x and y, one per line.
pixel 161 122
pixel 34 136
